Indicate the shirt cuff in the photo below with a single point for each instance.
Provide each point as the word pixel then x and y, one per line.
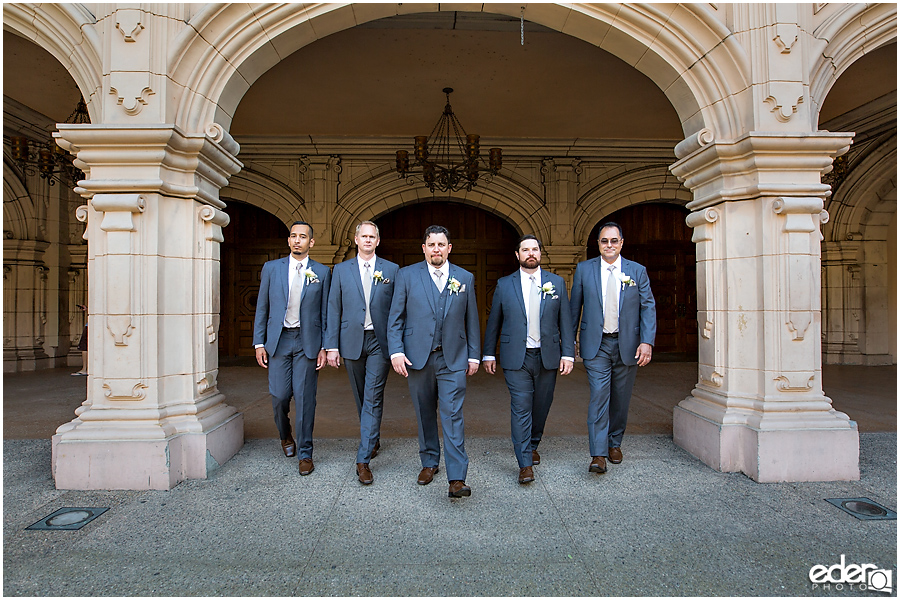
pixel 474 361
pixel 331 349
pixel 568 358
pixel 259 346
pixel 396 354
pixel 485 358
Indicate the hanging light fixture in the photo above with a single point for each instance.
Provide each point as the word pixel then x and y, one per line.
pixel 448 160
pixel 47 159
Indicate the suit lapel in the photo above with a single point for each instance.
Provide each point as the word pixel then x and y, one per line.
pixel 544 279
pixel 357 278
pixel 598 265
pixel 282 274
pixel 450 275
pixel 515 282
pixel 425 278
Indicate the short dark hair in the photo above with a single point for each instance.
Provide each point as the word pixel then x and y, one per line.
pixel 435 229
pixel 303 223
pixel 611 224
pixel 529 237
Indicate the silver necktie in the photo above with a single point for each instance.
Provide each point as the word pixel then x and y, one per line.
pixel 292 315
pixel 534 312
pixel 611 302
pixel 367 292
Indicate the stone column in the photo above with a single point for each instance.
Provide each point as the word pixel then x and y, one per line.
pixel 154 415
pixel 320 177
pixel 758 406
pixel 561 180
pixel 25 305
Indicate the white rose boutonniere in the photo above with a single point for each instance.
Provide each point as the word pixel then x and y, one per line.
pixel 548 290
pixel 377 277
pixel 310 275
pixel 626 280
pixel 454 285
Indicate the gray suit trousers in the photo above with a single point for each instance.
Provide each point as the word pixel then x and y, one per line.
pixel 530 395
pixel 610 381
pixel 292 374
pixel 368 375
pixel 435 388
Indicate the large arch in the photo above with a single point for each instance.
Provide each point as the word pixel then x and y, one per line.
pixel 684 49
pixel 268 193
pixel 627 187
pixel 386 192
pixel 18 208
pixel 849 34
pixel 64 31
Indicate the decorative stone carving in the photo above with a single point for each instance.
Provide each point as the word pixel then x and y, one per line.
pixel 795 382
pixel 120 328
pixel 209 382
pixel 694 142
pixel 128 22
pixel 123 390
pixel 136 101
pixel 117 210
pixel 784 98
pixel 785 36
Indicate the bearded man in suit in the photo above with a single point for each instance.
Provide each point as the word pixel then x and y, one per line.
pixel 358 306
pixel 287 333
pixel 434 342
pixel 531 320
pixel 615 313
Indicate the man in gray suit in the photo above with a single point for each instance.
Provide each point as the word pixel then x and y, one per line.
pixel 434 341
pixel 287 334
pixel 358 307
pixel 611 299
pixel 530 318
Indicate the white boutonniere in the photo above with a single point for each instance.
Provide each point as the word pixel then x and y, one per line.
pixel 378 276
pixel 548 290
pixel 454 285
pixel 310 275
pixel 626 280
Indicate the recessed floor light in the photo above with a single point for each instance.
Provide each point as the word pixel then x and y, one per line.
pixel 67 519
pixel 863 508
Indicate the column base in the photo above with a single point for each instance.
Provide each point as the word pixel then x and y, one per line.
pixel 146 464
pixel 769 456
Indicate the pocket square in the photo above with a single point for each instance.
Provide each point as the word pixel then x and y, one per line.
pixel 462 288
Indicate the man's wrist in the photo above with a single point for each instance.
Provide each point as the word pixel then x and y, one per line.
pixel 474 361
pixel 487 358
pixel 568 358
pixel 396 354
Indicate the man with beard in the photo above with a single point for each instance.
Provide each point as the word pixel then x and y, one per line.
pixel 435 343
pixel 530 317
pixel 358 307
pixel 287 334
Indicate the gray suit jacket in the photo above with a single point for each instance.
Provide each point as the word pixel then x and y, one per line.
pixel 347 307
pixel 637 309
pixel 508 323
pixel 272 303
pixel 412 319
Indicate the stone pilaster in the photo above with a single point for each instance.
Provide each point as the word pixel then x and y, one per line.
pixel 25 305
pixel 758 406
pixel 154 415
pixel 320 177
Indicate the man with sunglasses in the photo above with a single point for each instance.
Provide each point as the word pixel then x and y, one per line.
pixel 615 313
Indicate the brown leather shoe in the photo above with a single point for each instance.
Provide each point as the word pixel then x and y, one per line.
pixel 526 475
pixel 306 466
pixel 615 455
pixel 426 475
pixel 459 489
pixel 365 473
pixel 375 449
pixel 535 458
pixel 289 447
pixel 598 464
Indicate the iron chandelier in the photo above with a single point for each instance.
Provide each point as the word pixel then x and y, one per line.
pixel 449 159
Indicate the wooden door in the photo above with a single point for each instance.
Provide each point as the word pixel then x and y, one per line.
pixel 657 237
pixel 483 243
pixel 252 238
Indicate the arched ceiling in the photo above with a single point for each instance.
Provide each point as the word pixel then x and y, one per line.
pixel 385 78
pixel 33 77
pixel 872 76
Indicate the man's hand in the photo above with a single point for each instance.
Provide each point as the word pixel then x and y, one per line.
pixel 471 369
pixel 262 358
pixel 321 359
pixel 399 363
pixel 490 366
pixel 643 354
pixel 334 358
pixel 565 366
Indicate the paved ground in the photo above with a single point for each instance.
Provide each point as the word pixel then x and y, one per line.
pixel 661 523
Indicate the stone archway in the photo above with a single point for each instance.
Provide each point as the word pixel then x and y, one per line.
pixel 483 243
pixel 253 237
